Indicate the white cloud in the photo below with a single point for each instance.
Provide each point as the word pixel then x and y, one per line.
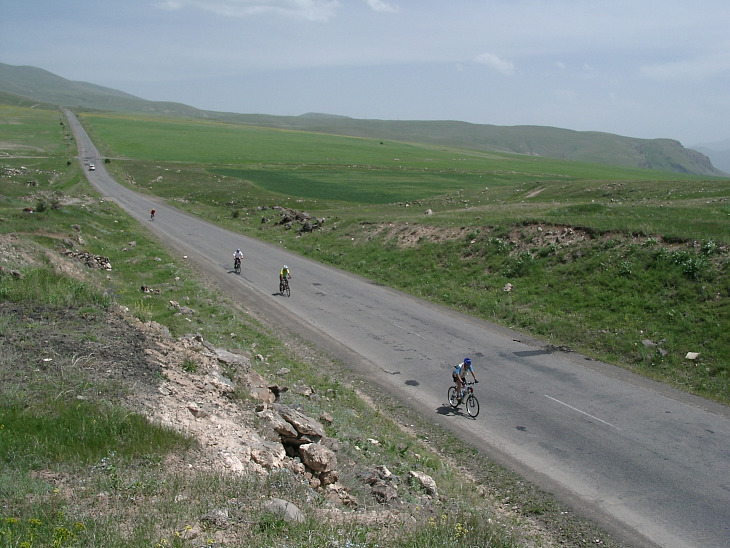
pixel 379 5
pixel 568 53
pixel 493 61
pixel 313 10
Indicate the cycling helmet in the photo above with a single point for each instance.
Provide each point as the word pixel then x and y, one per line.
pixel 467 361
pixel 238 250
pixel 286 267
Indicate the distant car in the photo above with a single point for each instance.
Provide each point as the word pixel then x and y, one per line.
pixel 92 167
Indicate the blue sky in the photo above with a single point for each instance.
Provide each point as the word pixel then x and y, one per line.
pixel 641 68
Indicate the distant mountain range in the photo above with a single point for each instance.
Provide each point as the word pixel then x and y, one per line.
pixel 719 153
pixel 28 86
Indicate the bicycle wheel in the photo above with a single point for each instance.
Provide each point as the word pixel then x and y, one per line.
pixel 288 291
pixel 453 397
pixel 472 406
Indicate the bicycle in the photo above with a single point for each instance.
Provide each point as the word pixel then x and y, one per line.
pixel 467 397
pixel 152 215
pixel 284 288
pixel 237 265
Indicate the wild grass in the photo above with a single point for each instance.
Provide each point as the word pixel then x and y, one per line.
pixel 629 302
pixel 645 284
pixel 77 468
pixel 322 167
pixel 43 285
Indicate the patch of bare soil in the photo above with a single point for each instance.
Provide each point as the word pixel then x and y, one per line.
pixel 4 145
pixel 16 252
pixel 409 235
pixel 521 238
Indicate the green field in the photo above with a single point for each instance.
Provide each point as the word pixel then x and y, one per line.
pixel 625 265
pixel 629 266
pixel 82 466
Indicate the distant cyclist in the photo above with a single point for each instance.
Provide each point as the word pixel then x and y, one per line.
pixel 237 258
pixel 152 215
pixel 284 274
pixel 459 374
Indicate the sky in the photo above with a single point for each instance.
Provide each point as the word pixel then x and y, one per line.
pixel 640 68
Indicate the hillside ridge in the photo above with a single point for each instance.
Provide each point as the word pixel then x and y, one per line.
pixel 18 84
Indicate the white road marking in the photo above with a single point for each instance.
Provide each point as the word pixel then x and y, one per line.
pixel 409 331
pixel 582 412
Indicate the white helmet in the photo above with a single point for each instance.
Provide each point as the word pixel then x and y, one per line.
pixel 286 267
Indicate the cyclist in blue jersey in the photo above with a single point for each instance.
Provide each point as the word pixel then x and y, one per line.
pixel 459 375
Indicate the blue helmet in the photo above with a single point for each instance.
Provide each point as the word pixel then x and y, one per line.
pixel 467 361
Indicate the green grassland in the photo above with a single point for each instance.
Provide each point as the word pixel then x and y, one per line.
pixel 78 468
pixel 623 264
pixel 214 163
pixel 652 264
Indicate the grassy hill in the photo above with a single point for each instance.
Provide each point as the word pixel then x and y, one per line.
pixel 550 142
pixel 85 360
pixel 626 265
pixel 43 86
pixel 659 154
pixel 719 154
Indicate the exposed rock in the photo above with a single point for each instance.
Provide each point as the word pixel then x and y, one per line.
pixel 259 388
pixel 217 517
pixel 384 492
pixel 371 477
pixel 231 359
pixel 317 457
pixel 329 477
pixel 384 472
pixel 92 261
pixel 281 427
pixel 288 511
pixel 425 481
pixel 288 217
pixel 267 454
pixel 303 424
pixel 220 382
pixel 277 391
pixel 197 412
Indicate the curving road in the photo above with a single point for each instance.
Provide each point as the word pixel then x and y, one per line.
pixel 650 464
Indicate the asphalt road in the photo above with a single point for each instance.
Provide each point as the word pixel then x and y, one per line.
pixel 649 463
